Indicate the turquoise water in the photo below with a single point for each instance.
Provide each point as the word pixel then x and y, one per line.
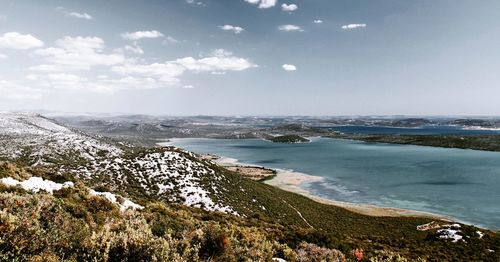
pixel 461 184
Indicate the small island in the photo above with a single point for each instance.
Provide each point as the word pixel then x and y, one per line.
pixel 289 139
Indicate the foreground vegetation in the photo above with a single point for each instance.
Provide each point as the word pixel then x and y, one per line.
pixel 73 225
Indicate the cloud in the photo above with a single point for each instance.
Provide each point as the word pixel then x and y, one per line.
pixel 353 26
pixel 15 40
pixel 170 40
pixel 101 84
pixel 220 61
pixel 289 7
pixel 318 21
pixel 142 34
pixel 14 91
pixel 263 3
pixel 80 15
pixel 136 49
pixel 46 68
pixel 166 73
pixel 70 59
pixel 2 56
pixel 188 87
pixel 66 81
pixel 290 28
pixel 234 29
pixel 197 3
pixel 74 14
pixel 77 53
pixel 32 77
pixel 288 67
pixel 169 72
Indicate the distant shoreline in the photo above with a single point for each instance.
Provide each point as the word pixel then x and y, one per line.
pixel 487 143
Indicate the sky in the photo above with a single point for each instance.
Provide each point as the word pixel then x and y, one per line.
pixel 251 57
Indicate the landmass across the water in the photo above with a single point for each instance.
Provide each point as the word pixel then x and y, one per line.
pixel 289 139
pixel 479 133
pixel 475 142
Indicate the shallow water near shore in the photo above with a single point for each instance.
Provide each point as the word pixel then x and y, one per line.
pixel 461 184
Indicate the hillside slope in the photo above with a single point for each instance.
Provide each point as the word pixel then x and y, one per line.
pixel 32 146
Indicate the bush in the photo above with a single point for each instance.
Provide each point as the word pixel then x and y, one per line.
pixel 215 243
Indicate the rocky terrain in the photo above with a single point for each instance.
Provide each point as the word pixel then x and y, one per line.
pixel 167 173
pixel 110 200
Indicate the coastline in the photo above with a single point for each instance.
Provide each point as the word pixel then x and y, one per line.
pixel 291 181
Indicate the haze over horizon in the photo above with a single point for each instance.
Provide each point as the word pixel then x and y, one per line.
pixel 251 57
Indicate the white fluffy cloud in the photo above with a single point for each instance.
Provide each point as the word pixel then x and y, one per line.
pixel 318 21
pixel 290 28
pixel 263 3
pixel 142 34
pixel 234 29
pixel 353 26
pixel 220 61
pixel 170 71
pixel 15 40
pixel 289 7
pixel 77 53
pixel 166 73
pixel 288 67
pixel 133 75
pixel 70 66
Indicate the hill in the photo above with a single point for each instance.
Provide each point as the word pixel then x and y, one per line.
pixel 106 198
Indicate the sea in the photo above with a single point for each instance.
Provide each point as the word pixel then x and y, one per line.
pixel 461 184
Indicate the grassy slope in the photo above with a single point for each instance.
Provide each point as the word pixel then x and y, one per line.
pixel 76 226
pixel 339 228
pixel 327 226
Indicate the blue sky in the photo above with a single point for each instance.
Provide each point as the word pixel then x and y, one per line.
pixel 251 57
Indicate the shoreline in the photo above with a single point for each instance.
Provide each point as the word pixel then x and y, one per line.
pixel 290 181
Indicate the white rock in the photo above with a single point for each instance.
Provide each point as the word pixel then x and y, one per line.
pixel 35 184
